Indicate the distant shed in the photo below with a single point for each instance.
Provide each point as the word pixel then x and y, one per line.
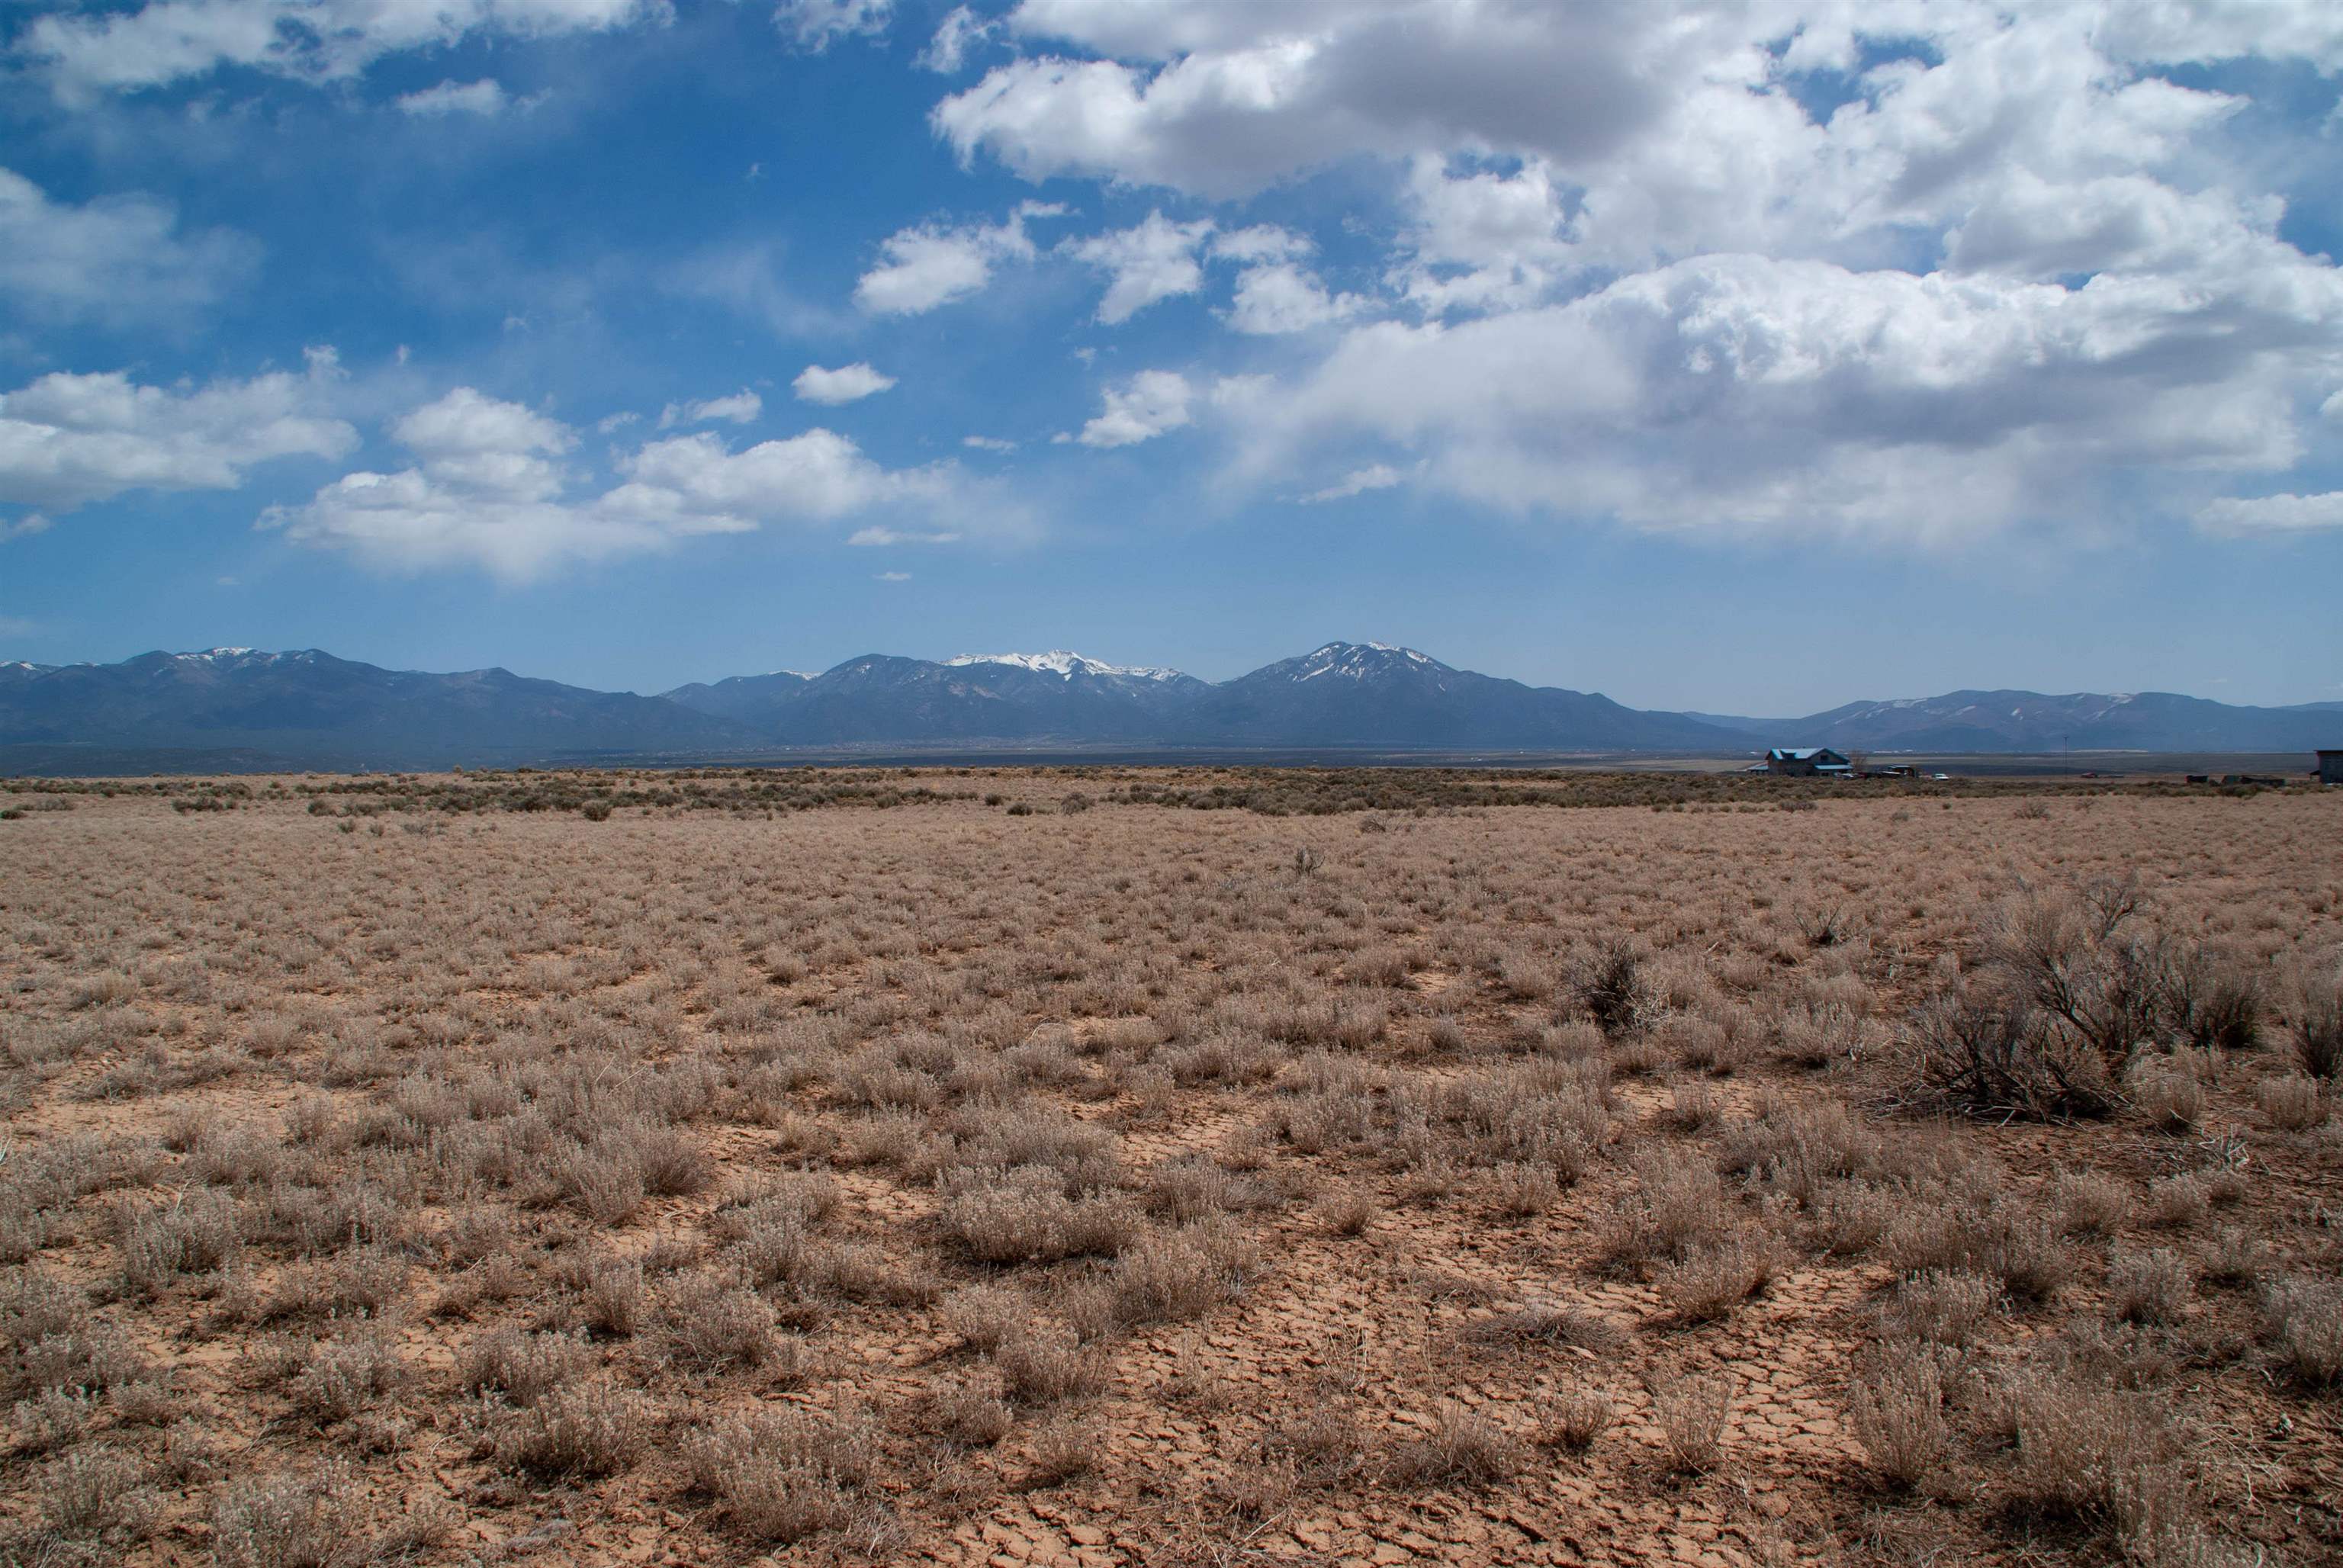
pixel 1807 762
pixel 2330 768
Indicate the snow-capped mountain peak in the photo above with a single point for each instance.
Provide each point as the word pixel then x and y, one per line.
pixel 1358 660
pixel 1066 664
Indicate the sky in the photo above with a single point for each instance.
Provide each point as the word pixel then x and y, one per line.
pixel 1738 356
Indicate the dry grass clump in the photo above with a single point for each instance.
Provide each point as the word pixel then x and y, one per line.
pixel 1573 1418
pixel 778 1476
pixel 1896 1407
pixel 2304 1320
pixel 296 1521
pixel 2151 1287
pixel 1464 1448
pixel 1691 1412
pixel 582 1427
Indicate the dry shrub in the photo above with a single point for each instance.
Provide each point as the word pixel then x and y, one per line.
pixel 347 1375
pixel 2179 1202
pixel 1674 1210
pixel 2315 1026
pixel 1897 1406
pixel 986 1315
pixel 1464 1448
pixel 95 1494
pixel 300 1521
pixel 2292 1103
pixel 971 1414
pixel 2077 1440
pixel 617 1298
pixel 1182 1275
pixel 1985 1051
pixel 707 1324
pixel 1573 1418
pixel 1946 1307
pixel 1692 1106
pixel 522 1367
pixel 201 1230
pixel 1518 1191
pixel 2018 1249
pixel 1063 1450
pixel 1024 1218
pixel 1348 1213
pixel 2171 1099
pixel 585 1426
pixel 1691 1413
pixel 1039 1365
pixel 1708 1285
pixel 2305 1319
pixel 1612 988
pixel 2087 1203
pixel 1548 1325
pixel 2152 1287
pixel 781 1474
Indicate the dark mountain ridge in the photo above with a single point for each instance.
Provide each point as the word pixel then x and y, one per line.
pixel 307 708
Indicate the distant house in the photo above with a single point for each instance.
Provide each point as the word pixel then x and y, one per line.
pixel 1807 762
pixel 2330 768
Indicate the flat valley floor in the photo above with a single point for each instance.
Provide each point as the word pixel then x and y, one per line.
pixel 1132 1184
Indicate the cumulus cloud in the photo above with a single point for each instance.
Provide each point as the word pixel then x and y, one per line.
pixel 1729 391
pixel 119 260
pixel 67 440
pixel 1153 261
pixel 959 32
pixel 490 488
pixel 168 41
pixel 814 25
pixel 930 265
pixel 1911 271
pixel 988 443
pixel 740 408
pixel 2274 514
pixel 485 98
pixel 1145 407
pixel 1285 298
pixel 847 384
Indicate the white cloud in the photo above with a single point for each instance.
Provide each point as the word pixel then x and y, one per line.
pixel 876 536
pixel 1357 482
pixel 1739 392
pixel 116 260
pixel 959 32
pixel 814 24
pixel 988 443
pixel 930 265
pixel 168 41
pixel 1153 261
pixel 847 384
pixel 67 440
pixel 485 98
pixel 1909 271
pixel 490 489
pixel 1285 298
pixel 742 407
pixel 25 527
pixel 2273 514
pixel 1148 405
pixel 1263 242
pixel 892 577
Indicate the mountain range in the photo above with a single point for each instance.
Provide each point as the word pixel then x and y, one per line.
pixel 236 708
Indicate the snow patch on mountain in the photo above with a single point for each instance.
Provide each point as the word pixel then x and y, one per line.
pixel 1066 664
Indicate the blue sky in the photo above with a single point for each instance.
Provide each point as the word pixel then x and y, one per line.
pixel 1731 358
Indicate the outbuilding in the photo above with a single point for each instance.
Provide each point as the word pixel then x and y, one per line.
pixel 2330 768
